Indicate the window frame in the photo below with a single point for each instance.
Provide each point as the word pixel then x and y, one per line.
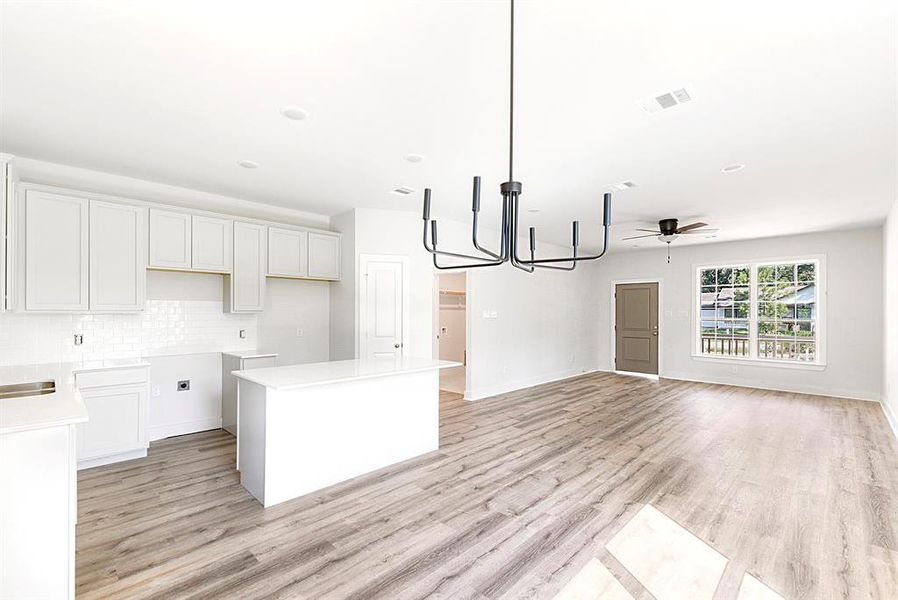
pixel 754 359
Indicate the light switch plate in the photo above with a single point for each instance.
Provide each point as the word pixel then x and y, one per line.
pixel 243 334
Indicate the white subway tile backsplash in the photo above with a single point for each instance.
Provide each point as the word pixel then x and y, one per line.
pixel 165 326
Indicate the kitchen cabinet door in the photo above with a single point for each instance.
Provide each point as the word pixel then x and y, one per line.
pixel 116 423
pixel 324 256
pixel 170 239
pixel 56 252
pixel 211 244
pixel 288 252
pixel 245 287
pixel 118 257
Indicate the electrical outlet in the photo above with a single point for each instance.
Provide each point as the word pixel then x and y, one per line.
pixel 79 339
pixel 243 334
pixel 183 385
pixel 156 391
pixel 299 332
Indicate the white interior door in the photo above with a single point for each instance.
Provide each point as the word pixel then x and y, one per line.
pixel 382 306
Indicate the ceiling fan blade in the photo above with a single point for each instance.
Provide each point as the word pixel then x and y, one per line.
pixel 637 237
pixel 690 226
pixel 697 231
pixel 655 231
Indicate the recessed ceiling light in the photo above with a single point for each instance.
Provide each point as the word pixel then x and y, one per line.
pixel 248 164
pixel 732 168
pixel 414 158
pixel 294 112
pixel 533 210
pixel 403 191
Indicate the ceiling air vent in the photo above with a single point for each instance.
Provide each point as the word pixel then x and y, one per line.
pixel 403 191
pixel 666 100
pixel 619 187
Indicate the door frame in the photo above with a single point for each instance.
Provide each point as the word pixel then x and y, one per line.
pixel 435 322
pixel 362 299
pixel 614 284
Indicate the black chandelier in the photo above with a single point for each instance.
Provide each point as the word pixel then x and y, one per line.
pixel 511 192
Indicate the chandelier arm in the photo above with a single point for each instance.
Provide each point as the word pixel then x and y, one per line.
pixel 503 255
pixel 432 248
pixel 606 228
pixel 571 267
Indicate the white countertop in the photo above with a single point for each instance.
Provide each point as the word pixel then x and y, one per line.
pixel 250 354
pixel 322 373
pixel 62 407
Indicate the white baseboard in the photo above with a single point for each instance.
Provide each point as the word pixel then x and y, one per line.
pixel 160 432
pixel 113 458
pixel 890 417
pixel 511 386
pixel 813 391
pixel 635 374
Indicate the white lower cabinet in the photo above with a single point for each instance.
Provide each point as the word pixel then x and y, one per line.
pixel 116 402
pixel 244 288
pixel 235 362
pixel 38 510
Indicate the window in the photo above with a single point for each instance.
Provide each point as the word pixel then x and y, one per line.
pixel 768 311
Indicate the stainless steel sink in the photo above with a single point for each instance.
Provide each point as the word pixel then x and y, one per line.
pixel 32 388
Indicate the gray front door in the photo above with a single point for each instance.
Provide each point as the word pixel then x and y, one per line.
pixel 636 327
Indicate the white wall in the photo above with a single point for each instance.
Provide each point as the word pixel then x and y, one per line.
pixel 173 412
pixel 373 231
pixel 292 305
pixel 343 312
pixel 854 263
pixel 544 329
pixel 890 297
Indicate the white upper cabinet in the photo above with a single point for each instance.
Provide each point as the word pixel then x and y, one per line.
pixel 211 246
pixel 288 252
pixel 56 252
pixel 118 257
pixel 245 287
pixel 7 237
pixel 170 239
pixel 324 255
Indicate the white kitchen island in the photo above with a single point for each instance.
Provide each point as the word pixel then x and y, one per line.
pixel 304 427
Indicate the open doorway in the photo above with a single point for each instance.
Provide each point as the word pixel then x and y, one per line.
pixel 452 329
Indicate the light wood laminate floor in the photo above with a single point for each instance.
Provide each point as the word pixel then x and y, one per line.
pixel 526 490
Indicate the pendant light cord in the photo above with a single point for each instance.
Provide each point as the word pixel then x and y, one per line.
pixel 511 102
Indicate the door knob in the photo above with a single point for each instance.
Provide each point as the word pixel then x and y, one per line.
pixel 654 333
pixel 396 345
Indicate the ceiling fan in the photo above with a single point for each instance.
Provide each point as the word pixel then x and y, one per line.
pixel 668 231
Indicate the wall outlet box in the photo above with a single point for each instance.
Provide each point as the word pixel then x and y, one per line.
pixel 184 385
pixel 156 391
pixel 299 332
pixel 79 339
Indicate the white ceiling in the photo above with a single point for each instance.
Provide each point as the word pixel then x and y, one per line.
pixel 802 92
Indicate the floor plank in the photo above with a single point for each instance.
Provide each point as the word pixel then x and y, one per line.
pixel 799 491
